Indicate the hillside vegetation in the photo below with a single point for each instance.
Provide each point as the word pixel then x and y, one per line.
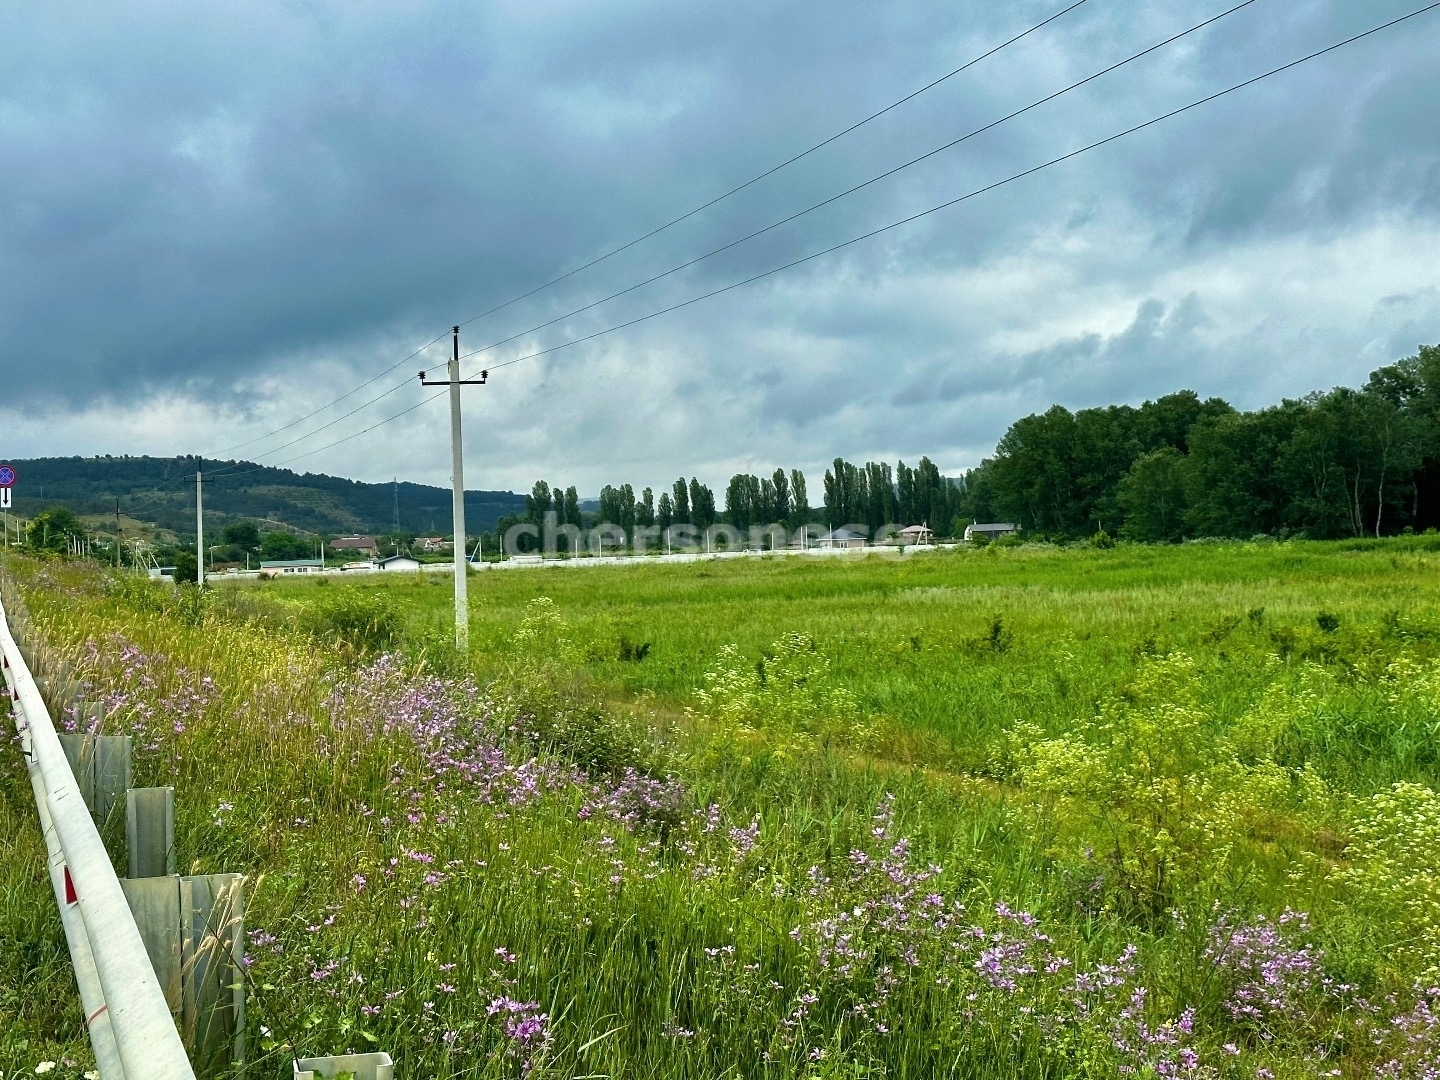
pixel 1017 811
pixel 161 491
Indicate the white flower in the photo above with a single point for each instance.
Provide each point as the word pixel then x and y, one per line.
pixel 44 1067
pixel 92 1074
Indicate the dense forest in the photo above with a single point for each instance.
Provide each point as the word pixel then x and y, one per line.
pixel 1344 462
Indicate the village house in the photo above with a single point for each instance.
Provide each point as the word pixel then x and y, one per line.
pixel 841 538
pixel 361 545
pixel 992 531
pixel 914 536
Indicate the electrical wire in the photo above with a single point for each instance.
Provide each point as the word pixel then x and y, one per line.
pixel 776 168
pixel 669 224
pixel 866 183
pixel 791 217
pixel 315 412
pixel 1199 102
pixel 978 191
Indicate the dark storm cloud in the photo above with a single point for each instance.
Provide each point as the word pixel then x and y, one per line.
pixel 243 206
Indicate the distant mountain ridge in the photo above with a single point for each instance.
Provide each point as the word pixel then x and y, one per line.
pixel 162 491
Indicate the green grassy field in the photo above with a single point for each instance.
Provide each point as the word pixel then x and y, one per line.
pixel 916 639
pixel 1020 811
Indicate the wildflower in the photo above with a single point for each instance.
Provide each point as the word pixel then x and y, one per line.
pixel 44 1067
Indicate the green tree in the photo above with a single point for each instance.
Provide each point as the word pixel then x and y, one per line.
pixel 279 545
pixel 738 510
pixel 1152 497
pixel 799 500
pixel 1233 482
pixel 52 530
pixel 781 509
pixel 702 505
pixel 185 566
pixel 537 503
pixel 242 534
pixel 682 502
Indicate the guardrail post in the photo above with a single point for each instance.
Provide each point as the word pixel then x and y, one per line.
pixel 150 831
pixel 155 904
pixel 194 931
pixel 101 764
pixel 361 1066
pixel 80 752
pixel 212 985
pixel 112 773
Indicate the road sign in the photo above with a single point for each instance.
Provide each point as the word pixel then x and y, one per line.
pixel 7 476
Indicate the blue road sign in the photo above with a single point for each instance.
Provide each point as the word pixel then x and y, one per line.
pixel 7 476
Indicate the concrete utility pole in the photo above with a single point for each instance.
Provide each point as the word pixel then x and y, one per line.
pixel 199 526
pixel 457 482
pixel 117 534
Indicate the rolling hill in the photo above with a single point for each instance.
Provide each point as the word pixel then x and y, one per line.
pixel 161 491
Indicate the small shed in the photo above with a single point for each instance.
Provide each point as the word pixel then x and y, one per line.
pixel 990 531
pixel 841 538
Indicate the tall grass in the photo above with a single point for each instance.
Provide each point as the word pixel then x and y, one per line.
pixel 1025 811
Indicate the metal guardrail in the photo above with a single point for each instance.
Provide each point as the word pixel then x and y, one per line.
pixel 131 1029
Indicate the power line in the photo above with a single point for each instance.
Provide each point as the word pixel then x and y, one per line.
pixel 978 191
pixel 669 224
pixel 791 217
pixel 776 168
pixel 921 214
pixel 342 397
pixel 867 183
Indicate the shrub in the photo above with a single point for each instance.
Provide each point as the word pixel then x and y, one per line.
pixel 1171 793
pixel 1394 875
pixel 788 690
pixel 365 622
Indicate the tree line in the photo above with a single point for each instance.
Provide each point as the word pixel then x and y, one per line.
pixel 867 497
pixel 1344 462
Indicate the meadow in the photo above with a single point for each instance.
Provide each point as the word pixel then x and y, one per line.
pixel 1016 811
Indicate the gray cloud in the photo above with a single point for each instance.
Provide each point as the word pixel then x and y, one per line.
pixel 217 219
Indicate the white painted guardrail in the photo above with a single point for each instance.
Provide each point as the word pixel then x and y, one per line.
pixel 131 1029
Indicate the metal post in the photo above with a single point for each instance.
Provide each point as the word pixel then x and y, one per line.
pixel 457 467
pixel 199 526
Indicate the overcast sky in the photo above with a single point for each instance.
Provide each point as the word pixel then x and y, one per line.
pixel 215 218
